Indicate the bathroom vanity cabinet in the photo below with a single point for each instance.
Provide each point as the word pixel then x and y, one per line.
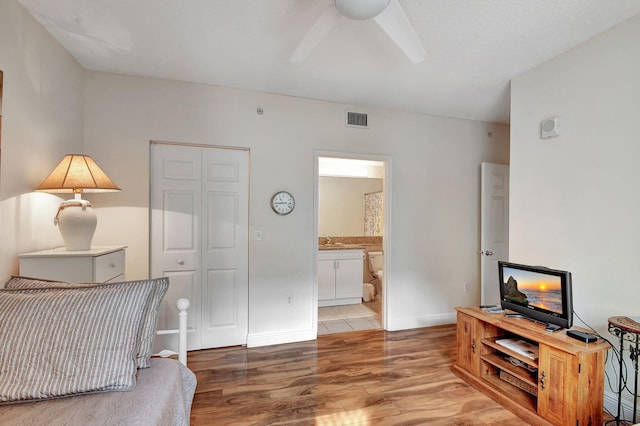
pixel 340 277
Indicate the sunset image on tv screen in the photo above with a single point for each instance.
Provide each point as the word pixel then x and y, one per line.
pixel 539 290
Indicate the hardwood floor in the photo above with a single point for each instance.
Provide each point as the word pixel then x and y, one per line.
pixel 370 377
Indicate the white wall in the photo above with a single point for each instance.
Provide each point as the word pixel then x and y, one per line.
pixel 575 200
pixel 341 205
pixel 42 109
pixel 435 186
pixel 47 112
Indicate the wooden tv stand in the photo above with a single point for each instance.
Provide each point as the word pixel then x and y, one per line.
pixel 564 386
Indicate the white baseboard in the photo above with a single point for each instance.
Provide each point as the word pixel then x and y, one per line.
pixel 266 339
pixel 626 411
pixel 396 324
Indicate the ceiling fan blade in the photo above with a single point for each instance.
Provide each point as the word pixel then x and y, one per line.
pixel 316 34
pixel 395 23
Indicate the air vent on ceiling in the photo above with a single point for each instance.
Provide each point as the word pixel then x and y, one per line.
pixel 357 119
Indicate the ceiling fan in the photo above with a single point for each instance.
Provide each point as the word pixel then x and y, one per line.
pixel 388 14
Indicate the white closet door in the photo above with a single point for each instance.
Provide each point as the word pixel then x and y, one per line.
pixel 225 260
pixel 199 238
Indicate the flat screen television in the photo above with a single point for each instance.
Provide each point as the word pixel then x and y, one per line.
pixel 536 292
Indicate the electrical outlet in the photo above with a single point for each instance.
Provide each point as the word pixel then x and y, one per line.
pixel 466 287
pixel 258 235
pixel 288 300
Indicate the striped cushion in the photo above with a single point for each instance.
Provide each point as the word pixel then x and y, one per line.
pixel 145 349
pixel 63 341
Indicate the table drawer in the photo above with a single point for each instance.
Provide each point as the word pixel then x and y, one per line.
pixel 108 266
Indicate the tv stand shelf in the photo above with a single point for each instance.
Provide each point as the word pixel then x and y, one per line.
pixel 564 385
pixel 521 373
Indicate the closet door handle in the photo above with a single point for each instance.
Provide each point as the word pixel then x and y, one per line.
pixel 180 262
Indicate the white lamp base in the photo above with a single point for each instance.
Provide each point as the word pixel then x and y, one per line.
pixel 77 222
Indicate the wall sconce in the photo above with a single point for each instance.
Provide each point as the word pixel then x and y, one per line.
pixel 75 218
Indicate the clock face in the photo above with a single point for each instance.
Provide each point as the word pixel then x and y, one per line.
pixel 282 202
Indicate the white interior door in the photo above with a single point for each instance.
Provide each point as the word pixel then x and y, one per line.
pixel 176 202
pixel 494 238
pixel 199 239
pixel 225 247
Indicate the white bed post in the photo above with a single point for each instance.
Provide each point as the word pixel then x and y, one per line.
pixel 183 305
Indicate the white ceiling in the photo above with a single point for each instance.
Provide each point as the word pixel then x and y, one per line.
pixel 474 47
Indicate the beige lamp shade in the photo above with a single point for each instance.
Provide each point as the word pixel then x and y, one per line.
pixel 77 173
pixel 75 218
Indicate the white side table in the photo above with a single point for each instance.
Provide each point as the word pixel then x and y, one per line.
pixel 100 264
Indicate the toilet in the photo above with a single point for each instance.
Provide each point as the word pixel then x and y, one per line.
pixel 376 263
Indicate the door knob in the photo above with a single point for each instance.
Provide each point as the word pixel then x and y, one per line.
pixel 487 253
pixel 180 262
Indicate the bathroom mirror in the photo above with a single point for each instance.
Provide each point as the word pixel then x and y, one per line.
pixel 350 207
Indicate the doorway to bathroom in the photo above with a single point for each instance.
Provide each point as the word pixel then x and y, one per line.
pixel 352 217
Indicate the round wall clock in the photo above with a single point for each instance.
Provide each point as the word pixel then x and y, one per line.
pixel 282 202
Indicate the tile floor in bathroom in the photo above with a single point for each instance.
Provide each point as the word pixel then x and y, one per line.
pixel 343 319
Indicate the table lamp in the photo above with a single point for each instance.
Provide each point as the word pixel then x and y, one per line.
pixel 77 222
